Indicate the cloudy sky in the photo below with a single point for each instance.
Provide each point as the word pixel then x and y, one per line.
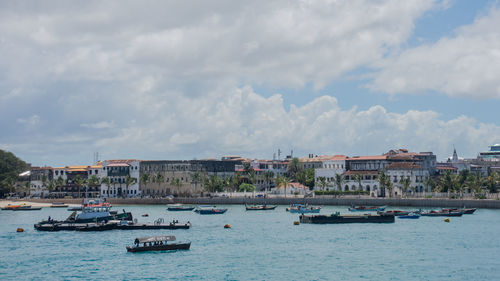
pixel 202 79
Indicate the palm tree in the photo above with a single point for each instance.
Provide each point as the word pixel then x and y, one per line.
pixel 106 182
pixel 196 179
pixel 283 180
pixel 406 182
pixel 389 185
pixel 428 182
pixel 145 178
pixel 294 168
pixel 51 184
pixel 323 183
pixel 213 183
pixel 79 181
pixel 129 181
pixel 268 176
pixel 93 181
pixel 476 182
pixel 358 179
pixel 27 186
pixel 339 180
pixel 177 183
pixel 158 178
pixel 382 180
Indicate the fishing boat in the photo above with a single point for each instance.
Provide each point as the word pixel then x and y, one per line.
pixel 158 243
pixel 396 213
pixel 410 216
pixel 260 207
pixel 336 218
pixel 209 210
pixel 58 205
pixel 441 213
pixel 27 208
pixel 465 211
pixel 179 207
pixel 304 209
pixel 367 209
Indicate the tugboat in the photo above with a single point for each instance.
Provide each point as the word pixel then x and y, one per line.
pixel 157 243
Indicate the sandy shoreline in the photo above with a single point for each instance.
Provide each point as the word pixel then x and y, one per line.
pixel 5 203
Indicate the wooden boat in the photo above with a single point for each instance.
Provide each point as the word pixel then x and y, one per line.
pixel 157 243
pixel 465 211
pixel 396 213
pixel 209 210
pixel 179 207
pixel 441 214
pixel 58 205
pixel 260 207
pixel 338 218
pixel 27 208
pixel 410 216
pixel 366 209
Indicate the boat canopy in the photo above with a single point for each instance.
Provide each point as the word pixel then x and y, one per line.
pixel 155 239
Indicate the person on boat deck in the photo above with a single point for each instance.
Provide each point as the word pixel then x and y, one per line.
pixel 49 219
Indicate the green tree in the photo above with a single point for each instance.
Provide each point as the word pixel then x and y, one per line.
pixel 10 168
pixel 178 184
pixel 428 181
pixel 196 179
pixel 283 181
pixel 128 182
pixel 406 183
pixel 476 181
pixel 106 182
pixel 358 178
pixel 493 182
pixel 294 168
pixel 339 181
pixel 213 184
pixel 389 185
pixel 268 177
pixel 323 183
pixel 79 182
pixel 158 178
pixel 306 177
pixel 382 180
pixel 245 187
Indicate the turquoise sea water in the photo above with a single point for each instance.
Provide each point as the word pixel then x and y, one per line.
pixel 261 245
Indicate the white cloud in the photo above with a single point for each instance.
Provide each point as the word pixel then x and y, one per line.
pixel 99 125
pixel 466 65
pixel 30 121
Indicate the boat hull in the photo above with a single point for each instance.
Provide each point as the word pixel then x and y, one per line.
pixel 211 212
pixel 336 219
pixel 305 211
pixel 260 208
pixel 168 247
pixel 180 209
pixel 28 209
pixel 457 214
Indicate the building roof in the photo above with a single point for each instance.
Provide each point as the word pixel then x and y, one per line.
pixel 403 166
pixel 119 165
pixel 375 157
pixel 446 168
pixel 323 158
pixel 292 184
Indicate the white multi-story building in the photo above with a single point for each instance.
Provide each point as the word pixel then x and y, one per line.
pixel 328 168
pixel 414 172
pixel 117 171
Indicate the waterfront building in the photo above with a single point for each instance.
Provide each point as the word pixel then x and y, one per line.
pixel 66 183
pixel 38 178
pixel 368 182
pixel 327 167
pixel 181 177
pixel 416 174
pixel 123 177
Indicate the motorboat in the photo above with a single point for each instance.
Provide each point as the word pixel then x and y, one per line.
pixel 209 210
pixel 179 207
pixel 263 207
pixel 410 216
pixel 303 209
pixel 58 205
pixel 158 243
pixel 367 208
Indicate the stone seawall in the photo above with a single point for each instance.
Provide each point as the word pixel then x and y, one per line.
pixel 438 203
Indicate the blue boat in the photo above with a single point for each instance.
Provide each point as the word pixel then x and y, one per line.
pixel 209 210
pixel 410 216
pixel 304 209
